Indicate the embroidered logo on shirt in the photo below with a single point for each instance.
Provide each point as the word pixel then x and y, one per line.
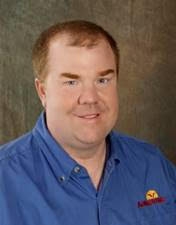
pixel 151 194
pixel 152 197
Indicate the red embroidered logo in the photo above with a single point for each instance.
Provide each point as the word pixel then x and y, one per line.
pixel 152 197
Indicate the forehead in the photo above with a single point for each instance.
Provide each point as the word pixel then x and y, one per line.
pixel 62 54
pixel 65 41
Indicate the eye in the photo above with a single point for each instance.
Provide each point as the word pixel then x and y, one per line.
pixel 103 80
pixel 71 82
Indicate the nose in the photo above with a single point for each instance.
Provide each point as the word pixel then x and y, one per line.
pixel 88 95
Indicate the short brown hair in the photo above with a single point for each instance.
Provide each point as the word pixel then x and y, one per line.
pixel 81 33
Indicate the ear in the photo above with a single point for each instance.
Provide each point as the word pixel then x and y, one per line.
pixel 40 87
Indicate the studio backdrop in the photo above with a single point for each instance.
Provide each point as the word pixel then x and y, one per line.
pixel 146 34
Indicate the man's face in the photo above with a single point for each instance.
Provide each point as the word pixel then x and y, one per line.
pixel 80 93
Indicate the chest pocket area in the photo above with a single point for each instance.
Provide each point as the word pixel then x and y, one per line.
pixel 159 214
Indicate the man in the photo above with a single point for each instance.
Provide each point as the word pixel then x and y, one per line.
pixel 72 168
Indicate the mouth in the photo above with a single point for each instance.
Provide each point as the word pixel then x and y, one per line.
pixel 89 117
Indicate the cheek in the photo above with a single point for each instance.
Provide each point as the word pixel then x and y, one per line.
pixel 64 102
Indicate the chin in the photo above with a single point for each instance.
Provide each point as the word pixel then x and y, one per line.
pixel 90 139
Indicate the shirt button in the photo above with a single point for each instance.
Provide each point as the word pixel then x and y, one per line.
pixel 77 169
pixel 61 178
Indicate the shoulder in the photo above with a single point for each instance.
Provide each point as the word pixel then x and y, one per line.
pixel 16 147
pixel 136 151
pixel 133 146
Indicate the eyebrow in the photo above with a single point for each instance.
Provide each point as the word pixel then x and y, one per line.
pixel 106 72
pixel 70 75
pixel 75 76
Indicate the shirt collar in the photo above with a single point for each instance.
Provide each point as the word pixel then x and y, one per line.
pixel 113 147
pixel 61 163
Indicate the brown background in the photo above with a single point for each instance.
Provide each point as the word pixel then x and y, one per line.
pixel 146 32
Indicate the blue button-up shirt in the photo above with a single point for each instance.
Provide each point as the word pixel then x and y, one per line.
pixel 40 184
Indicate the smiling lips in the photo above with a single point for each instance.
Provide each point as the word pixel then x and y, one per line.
pixel 89 116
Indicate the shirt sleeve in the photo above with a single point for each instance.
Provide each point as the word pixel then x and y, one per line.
pixel 170 172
